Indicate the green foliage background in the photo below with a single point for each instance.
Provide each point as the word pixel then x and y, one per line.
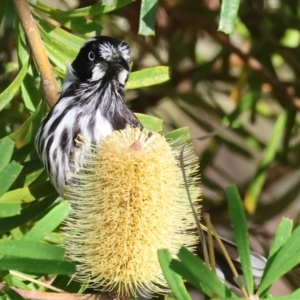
pixel 246 86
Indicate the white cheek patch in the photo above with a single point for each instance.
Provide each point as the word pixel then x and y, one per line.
pixel 122 76
pixel 106 50
pixel 98 73
pixel 124 50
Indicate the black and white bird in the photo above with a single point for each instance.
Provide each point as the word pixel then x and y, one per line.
pixel 90 107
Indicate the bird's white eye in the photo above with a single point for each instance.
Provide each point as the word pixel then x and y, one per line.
pixel 91 55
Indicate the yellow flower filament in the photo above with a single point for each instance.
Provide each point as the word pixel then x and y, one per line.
pixel 129 201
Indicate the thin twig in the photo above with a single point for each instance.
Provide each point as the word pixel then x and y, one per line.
pixel 38 282
pixel 230 264
pixel 212 258
pixel 283 93
pixel 38 51
pixel 37 295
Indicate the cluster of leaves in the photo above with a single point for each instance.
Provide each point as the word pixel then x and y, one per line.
pixel 244 83
pixel 283 256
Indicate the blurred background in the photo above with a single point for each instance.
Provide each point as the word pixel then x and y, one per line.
pixel 241 88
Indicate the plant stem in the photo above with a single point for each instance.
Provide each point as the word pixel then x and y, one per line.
pixel 38 51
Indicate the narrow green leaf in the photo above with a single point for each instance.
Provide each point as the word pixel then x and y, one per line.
pixel 54 238
pixel 33 129
pixel 109 2
pixel 94 10
pixel 288 134
pixel 180 269
pixel 16 234
pixel 21 45
pixel 7 210
pixel 148 77
pixel 28 194
pixel 37 266
pixel 178 136
pixel 288 297
pixel 31 249
pixel 24 127
pixel 30 92
pixel 18 283
pixel 62 37
pixel 8 176
pixel 13 295
pixel 296 293
pixel 149 122
pixel 206 279
pixel 32 169
pixel 48 223
pixel 80 25
pixel 240 228
pixel 27 214
pixel 22 153
pixel 6 151
pixel 7 278
pixel 174 280
pixel 282 261
pixel 31 95
pixel 229 10
pixel 59 59
pixel 13 88
pixel 147 17
pixel 61 50
pixel 283 233
pixel 258 181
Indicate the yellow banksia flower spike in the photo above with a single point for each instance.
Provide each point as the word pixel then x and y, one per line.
pixel 127 202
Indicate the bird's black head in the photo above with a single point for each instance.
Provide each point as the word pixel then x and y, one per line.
pixel 100 58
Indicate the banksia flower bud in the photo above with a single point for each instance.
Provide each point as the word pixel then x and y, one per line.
pixel 129 201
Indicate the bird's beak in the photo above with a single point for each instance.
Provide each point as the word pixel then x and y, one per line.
pixel 118 60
